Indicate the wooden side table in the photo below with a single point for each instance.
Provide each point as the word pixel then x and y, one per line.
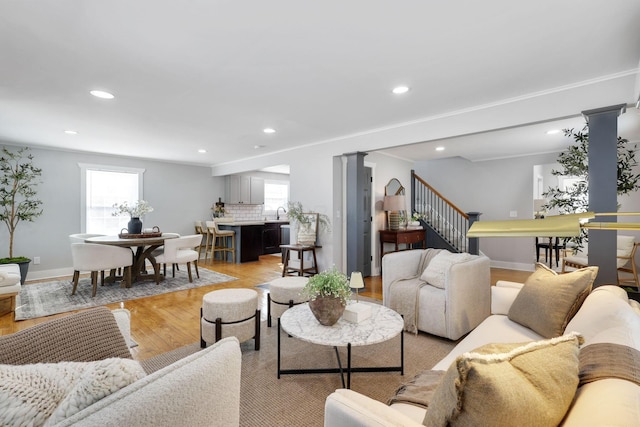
pixel 401 237
pixel 302 270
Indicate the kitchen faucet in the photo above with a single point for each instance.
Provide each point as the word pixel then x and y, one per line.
pixel 278 212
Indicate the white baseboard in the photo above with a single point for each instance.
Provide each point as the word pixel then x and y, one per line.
pixel 513 265
pixel 49 274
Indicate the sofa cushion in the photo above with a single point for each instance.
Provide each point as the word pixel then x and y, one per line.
pixel 437 270
pixel 50 392
pixel 548 301
pixel 9 277
pixel 542 377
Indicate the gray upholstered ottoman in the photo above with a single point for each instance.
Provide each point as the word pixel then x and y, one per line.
pixel 230 312
pixel 284 292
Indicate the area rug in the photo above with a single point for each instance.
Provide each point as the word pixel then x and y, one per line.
pixel 47 298
pixel 298 400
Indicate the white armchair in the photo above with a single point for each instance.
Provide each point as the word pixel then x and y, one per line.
pixel 450 308
pixel 95 257
pixel 626 247
pixel 181 250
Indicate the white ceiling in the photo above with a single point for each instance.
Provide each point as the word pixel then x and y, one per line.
pixel 212 74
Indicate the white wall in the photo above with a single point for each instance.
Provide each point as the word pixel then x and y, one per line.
pixel 179 195
pixel 385 168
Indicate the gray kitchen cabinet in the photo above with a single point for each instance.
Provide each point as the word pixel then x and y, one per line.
pixel 242 189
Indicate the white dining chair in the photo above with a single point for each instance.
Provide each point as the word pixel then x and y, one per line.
pixel 81 237
pixel 181 250
pixel 97 258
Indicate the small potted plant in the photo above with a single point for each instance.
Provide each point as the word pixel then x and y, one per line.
pixel 328 294
pixel 18 200
pixel 135 212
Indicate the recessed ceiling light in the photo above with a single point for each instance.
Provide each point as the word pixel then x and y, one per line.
pixel 258 147
pixel 71 132
pixel 269 130
pixel 202 151
pixel 439 148
pixel 553 131
pixel 400 89
pixel 102 94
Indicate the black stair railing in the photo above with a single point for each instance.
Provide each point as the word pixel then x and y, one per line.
pixel 442 217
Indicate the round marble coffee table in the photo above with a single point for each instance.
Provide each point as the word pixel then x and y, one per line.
pixel 383 325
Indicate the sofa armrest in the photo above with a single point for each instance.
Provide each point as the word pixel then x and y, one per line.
pixel 345 408
pixel 468 296
pixel 202 389
pixel 508 284
pixel 81 337
pixel 399 265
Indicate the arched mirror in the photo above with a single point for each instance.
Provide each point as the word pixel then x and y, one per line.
pixel 393 188
pixel 394 204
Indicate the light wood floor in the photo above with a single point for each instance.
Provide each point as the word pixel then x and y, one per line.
pixel 168 321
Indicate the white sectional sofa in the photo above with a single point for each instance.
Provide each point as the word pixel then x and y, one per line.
pixel 606 316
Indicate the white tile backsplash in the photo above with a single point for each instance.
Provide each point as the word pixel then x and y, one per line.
pixel 244 212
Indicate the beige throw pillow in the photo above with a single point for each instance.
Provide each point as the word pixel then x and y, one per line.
pixel 530 384
pixel 548 301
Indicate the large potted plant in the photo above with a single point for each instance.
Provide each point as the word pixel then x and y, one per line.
pixel 574 163
pixel 308 223
pixel 328 294
pixel 18 201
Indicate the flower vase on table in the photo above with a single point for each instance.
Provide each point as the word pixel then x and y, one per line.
pixel 134 226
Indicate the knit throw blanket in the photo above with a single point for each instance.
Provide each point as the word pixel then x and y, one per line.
pixel 403 293
pixel 45 394
pixel 606 360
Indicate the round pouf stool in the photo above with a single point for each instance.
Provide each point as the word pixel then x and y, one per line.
pixel 230 312
pixel 284 293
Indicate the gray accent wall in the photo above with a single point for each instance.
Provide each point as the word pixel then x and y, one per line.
pixel 495 188
pixel 178 193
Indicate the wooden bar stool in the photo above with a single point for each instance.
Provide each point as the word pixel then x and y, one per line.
pixel 202 231
pixel 301 270
pixel 223 241
pixel 208 229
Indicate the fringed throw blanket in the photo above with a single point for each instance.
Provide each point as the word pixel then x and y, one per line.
pixel 419 390
pixel 403 293
pixel 606 360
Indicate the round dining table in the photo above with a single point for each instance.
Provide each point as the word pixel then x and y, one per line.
pixel 144 247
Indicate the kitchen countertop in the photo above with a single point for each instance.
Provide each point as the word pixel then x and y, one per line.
pixel 241 223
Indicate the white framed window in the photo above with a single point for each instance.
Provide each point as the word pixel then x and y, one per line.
pixel 276 194
pixel 101 187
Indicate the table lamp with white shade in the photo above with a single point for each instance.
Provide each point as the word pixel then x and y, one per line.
pixel 356 311
pixel 394 205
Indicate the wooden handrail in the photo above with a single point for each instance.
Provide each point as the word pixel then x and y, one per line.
pixel 437 193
